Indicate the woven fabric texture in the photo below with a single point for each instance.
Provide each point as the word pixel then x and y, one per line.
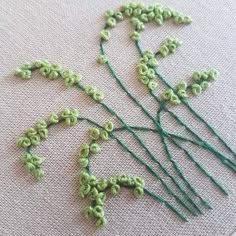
pixel 67 32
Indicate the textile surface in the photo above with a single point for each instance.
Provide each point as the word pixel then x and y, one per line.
pixel 67 32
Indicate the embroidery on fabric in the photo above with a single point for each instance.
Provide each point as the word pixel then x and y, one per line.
pixel 147 73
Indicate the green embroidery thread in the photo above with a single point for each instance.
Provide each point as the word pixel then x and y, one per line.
pixel 148 75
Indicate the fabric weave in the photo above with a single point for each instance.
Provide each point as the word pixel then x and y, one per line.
pixel 67 32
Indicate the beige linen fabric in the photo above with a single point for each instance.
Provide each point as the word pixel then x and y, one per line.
pixel 67 32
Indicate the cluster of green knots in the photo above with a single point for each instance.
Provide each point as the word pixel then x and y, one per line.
pixel 185 195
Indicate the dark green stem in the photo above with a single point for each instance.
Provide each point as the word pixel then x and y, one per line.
pixel 168 205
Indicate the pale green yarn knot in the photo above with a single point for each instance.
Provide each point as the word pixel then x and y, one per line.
pixel 95 148
pixel 152 85
pixel 93 193
pixel 158 19
pixel 196 89
pixel 94 93
pixel 45 69
pixel 70 78
pixel 84 150
pixel 140 26
pixel 30 132
pixel 83 162
pixel 167 13
pixel 175 100
pixel 93 180
pixel 88 212
pixel 115 189
pixel 70 116
pixel 108 126
pixel 109 13
pixel 119 16
pixel 35 140
pixel 41 124
pixel 182 93
pixel 205 85
pixel 102 184
pixel 151 73
pixel 53 119
pixel 139 182
pixel 90 90
pixel 39 174
pixel 168 94
pixel 71 121
pixel 111 21
pixel 23 73
pixel 142 69
pixel 105 35
pixel 98 96
pixel 138 192
pixel 112 180
pixel 182 85
pixel 152 62
pixel 144 17
pixel 98 211
pixel 94 133
pixel 144 79
pixel 179 18
pixel 135 36
pixel 84 190
pixel 137 12
pixel 33 164
pixel 55 71
pixel 102 59
pixel 100 199
pixel 83 177
pixel 213 74
pixel 149 54
pixel 43 133
pixel 101 223
pixel 169 46
pixel 104 135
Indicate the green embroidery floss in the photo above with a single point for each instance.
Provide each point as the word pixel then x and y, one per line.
pixel 95 188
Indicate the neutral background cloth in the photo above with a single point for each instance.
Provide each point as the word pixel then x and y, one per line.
pixel 67 32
